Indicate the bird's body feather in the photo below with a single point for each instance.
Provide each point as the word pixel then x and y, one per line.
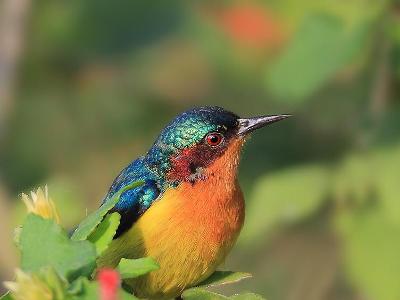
pixel 188 230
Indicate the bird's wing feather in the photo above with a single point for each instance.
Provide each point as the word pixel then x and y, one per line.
pixel 133 202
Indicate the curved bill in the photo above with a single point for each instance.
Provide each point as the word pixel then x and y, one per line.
pixel 247 125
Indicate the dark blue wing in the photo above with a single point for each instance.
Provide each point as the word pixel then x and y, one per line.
pixel 134 202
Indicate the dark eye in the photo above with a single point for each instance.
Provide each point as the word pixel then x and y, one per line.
pixel 214 139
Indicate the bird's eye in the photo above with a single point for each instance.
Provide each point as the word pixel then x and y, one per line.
pixel 214 139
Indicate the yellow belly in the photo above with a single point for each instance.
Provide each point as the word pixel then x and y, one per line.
pixel 189 232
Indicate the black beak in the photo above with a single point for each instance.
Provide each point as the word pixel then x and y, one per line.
pixel 247 125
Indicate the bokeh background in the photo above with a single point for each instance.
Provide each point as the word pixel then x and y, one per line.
pixel 85 87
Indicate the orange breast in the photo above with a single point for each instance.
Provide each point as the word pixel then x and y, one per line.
pixel 189 231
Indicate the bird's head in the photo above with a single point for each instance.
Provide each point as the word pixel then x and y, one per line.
pixel 198 138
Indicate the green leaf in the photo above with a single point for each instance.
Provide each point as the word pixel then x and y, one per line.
pixel 90 290
pixel 103 235
pixel 53 280
pixel 216 279
pixel 224 277
pixel 367 219
pixel 321 47
pixel 93 220
pixel 387 183
pixel 76 287
pixel 284 197
pixel 202 294
pixel 247 296
pixel 124 295
pixel 6 296
pixel 354 178
pixel 132 268
pixel 44 243
pixel 371 245
pixel 366 175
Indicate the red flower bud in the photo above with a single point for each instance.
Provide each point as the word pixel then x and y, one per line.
pixel 109 283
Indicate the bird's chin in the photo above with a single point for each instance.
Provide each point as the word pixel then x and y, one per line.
pixel 243 138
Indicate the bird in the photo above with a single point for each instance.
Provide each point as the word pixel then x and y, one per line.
pixel 189 208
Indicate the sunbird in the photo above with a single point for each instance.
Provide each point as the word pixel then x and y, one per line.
pixel 189 209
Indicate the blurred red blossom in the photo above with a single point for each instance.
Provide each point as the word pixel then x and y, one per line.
pixel 109 283
pixel 252 26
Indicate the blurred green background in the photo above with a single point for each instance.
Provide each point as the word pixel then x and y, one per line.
pixel 86 86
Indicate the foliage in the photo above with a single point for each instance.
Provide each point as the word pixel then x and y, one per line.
pixel 104 233
pixel 44 243
pixel 92 221
pixel 363 188
pixel 217 279
pixel 132 268
pixel 57 267
pixel 319 34
pixel 224 277
pixel 287 196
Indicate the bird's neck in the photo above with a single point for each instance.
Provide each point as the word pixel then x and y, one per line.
pixel 214 203
pixel 193 165
pixel 224 168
